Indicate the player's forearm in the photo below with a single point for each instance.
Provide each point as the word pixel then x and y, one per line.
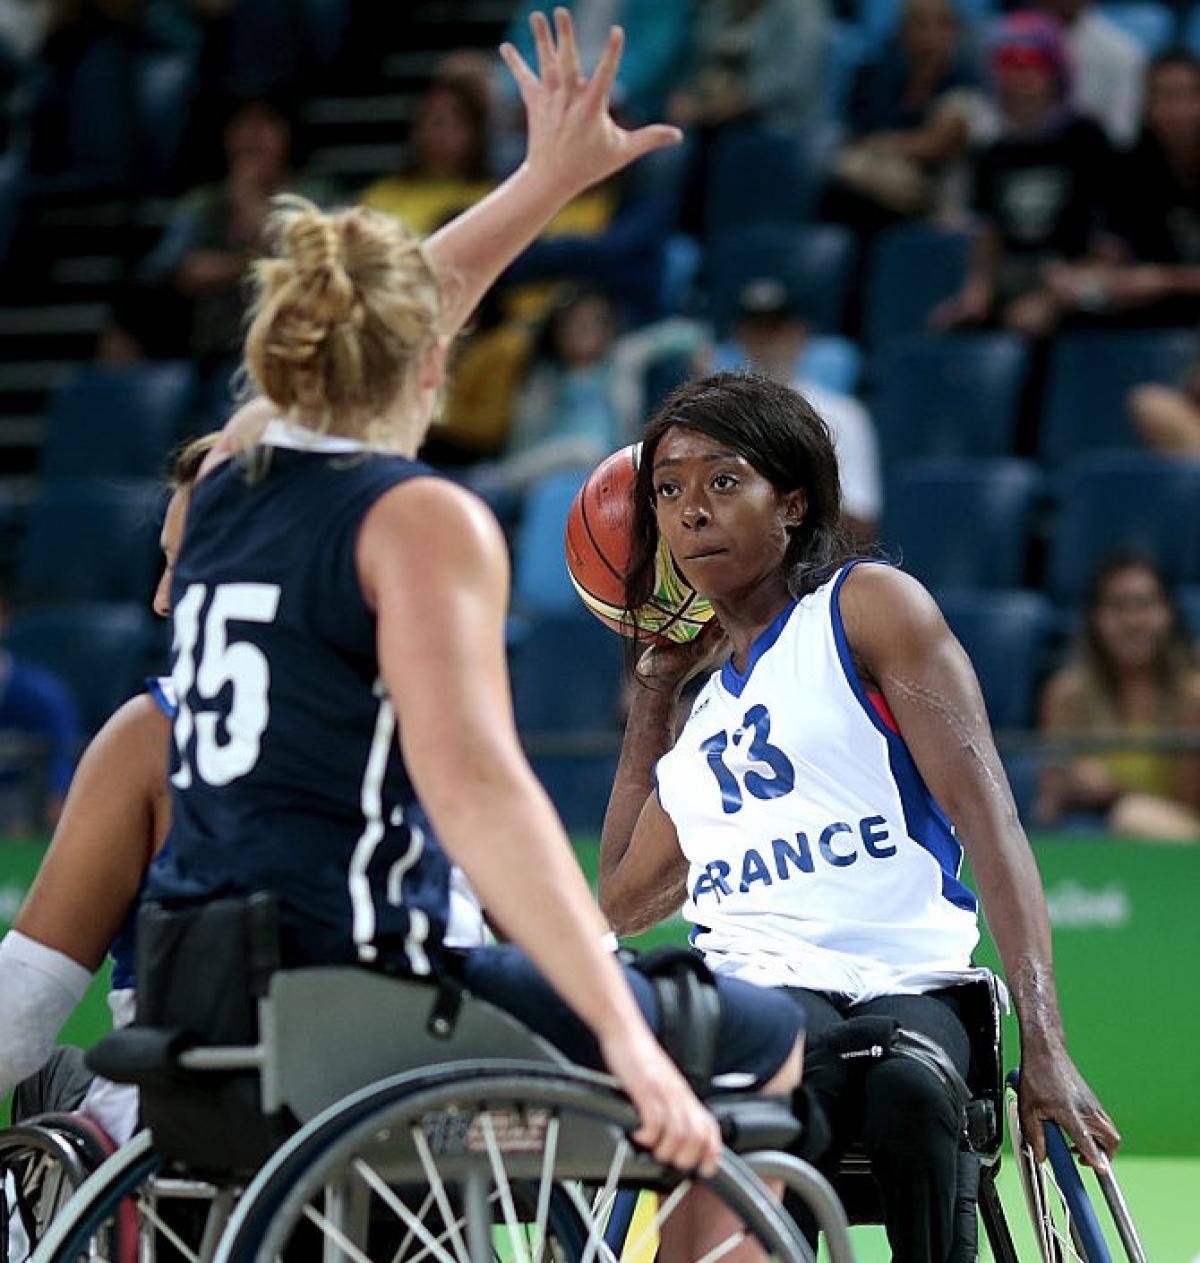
pixel 649 734
pixel 473 249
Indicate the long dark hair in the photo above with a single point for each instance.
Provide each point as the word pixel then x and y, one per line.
pixel 1175 656
pixel 778 432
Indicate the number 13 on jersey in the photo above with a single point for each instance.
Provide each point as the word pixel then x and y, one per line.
pixel 204 664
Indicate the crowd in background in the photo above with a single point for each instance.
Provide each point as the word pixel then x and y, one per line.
pixel 1070 152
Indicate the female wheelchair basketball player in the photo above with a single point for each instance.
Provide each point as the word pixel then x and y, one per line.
pixel 84 898
pixel 344 727
pixel 798 817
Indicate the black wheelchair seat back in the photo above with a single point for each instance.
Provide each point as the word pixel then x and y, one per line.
pixel 200 974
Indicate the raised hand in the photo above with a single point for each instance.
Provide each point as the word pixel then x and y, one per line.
pixel 572 138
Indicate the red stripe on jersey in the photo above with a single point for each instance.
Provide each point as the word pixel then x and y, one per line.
pixel 883 710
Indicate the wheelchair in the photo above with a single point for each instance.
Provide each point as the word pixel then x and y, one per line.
pixel 1066 1226
pixel 361 1116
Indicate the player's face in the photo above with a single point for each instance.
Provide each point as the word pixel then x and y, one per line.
pixel 725 524
pixel 168 540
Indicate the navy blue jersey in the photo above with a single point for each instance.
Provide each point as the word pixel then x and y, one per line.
pixel 286 771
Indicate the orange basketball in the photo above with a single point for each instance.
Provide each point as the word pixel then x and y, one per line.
pixel 599 540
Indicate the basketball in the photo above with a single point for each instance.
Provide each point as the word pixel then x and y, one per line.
pixel 599 539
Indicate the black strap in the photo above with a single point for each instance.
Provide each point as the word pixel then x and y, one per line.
pixel 689 1010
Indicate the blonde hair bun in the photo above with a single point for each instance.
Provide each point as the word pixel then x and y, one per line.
pixel 342 313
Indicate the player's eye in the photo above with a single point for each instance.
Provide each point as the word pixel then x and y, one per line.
pixel 724 482
pixel 666 490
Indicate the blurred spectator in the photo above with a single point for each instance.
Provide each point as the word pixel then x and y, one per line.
pixel 1168 417
pixel 23 27
pixel 1155 213
pixel 755 61
pixel 1038 188
pixel 1108 68
pixel 770 337
pixel 910 118
pixel 627 255
pixel 486 366
pixel 657 40
pixel 1134 677
pixel 40 737
pixel 446 169
pixel 565 415
pixel 213 234
pixel 88 59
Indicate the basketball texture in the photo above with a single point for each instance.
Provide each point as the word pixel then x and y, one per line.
pixel 599 539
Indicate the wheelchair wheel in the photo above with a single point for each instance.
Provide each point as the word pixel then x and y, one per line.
pixel 477 1163
pixel 1064 1218
pixel 40 1168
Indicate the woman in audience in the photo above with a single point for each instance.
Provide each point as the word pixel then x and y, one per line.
pixel 910 118
pixel 1154 213
pixel 1135 677
pixel 1038 188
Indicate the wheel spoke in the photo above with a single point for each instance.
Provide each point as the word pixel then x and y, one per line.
pixel 500 1176
pixel 605 1198
pixel 666 1208
pixel 330 1229
pixel 438 1189
pixel 542 1213
pixel 388 1195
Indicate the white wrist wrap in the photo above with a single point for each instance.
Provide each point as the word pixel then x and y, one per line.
pixel 39 987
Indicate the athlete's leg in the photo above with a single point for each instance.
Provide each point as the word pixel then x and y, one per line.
pixel 912 1130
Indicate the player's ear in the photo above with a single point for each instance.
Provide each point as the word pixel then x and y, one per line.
pixel 795 507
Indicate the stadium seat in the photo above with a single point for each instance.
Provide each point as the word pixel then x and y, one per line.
pixel 815 263
pixel 91 541
pixel 1005 634
pixel 96 649
pixel 946 396
pixel 757 177
pixel 1191 31
pixel 961 523
pixel 166 83
pixel 912 268
pixel 1113 501
pixel 566 679
pixel 847 48
pixel 108 422
pixel 1091 375
pixel 1152 25
pixel 540 580
pixel 1188 597
pixel 101 107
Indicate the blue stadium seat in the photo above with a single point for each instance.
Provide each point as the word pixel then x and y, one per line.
pixel 566 678
pixel 1005 635
pixel 165 85
pixel 816 263
pixel 949 396
pixel 1113 501
pixel 91 541
pixel 540 580
pixel 1191 30
pixel 846 49
pixel 95 649
pixel 1152 25
pixel 961 523
pixel 757 177
pixel 1024 774
pixel 101 109
pixel 1091 374
pixel 1188 596
pixel 912 268
pixel 109 422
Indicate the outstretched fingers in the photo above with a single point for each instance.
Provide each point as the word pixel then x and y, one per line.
pixel 568 49
pixel 549 69
pixel 601 82
pixel 526 80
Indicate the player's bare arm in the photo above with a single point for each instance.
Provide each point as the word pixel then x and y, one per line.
pixel 114 820
pixel 898 634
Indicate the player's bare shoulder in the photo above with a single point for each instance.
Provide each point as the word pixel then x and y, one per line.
pixel 879 603
pixel 429 526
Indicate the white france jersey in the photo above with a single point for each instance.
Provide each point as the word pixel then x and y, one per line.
pixel 817 856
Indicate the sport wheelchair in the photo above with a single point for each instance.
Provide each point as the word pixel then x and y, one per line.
pixel 343 1114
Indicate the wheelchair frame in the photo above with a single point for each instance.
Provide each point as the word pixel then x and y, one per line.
pixel 338 1092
